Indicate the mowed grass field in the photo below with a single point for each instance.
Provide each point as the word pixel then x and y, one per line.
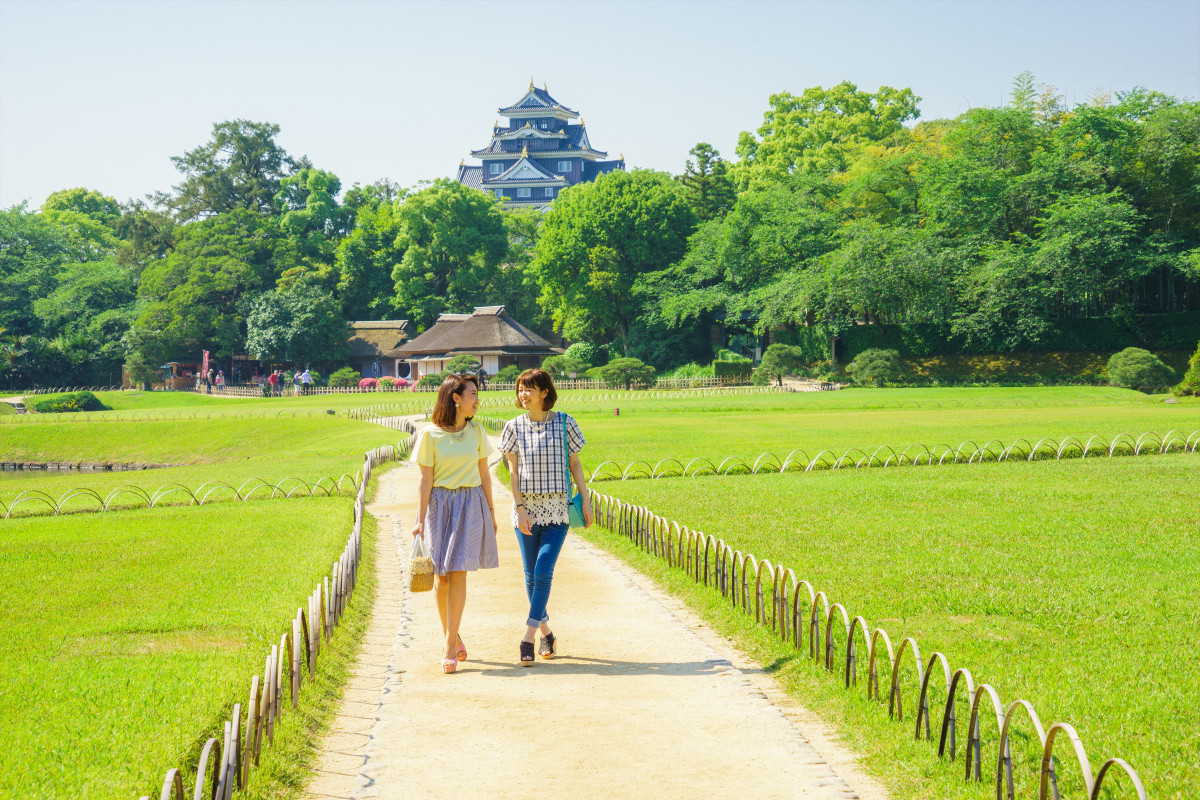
pixel 130 635
pixel 197 441
pixel 285 473
pixel 1070 584
pixel 749 426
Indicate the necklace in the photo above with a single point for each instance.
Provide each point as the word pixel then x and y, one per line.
pixel 456 436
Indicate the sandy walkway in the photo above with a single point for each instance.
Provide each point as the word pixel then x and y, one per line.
pixel 643 699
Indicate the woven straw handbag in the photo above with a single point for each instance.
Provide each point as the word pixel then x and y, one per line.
pixel 420 567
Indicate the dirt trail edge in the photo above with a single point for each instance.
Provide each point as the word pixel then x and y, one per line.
pixel 643 699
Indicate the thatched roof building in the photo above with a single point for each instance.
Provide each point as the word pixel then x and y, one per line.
pixel 374 347
pixel 489 334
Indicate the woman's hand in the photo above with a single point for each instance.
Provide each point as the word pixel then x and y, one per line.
pixel 523 523
pixel 587 510
pixel 419 529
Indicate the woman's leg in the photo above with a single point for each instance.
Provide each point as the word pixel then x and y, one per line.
pixel 529 549
pixel 549 546
pixel 451 600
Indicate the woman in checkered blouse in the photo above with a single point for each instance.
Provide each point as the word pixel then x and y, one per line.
pixel 533 444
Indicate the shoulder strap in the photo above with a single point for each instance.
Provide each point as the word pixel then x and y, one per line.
pixel 566 451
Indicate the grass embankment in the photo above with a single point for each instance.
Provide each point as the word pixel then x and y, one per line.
pixel 131 635
pixel 274 471
pixel 190 441
pixel 1071 585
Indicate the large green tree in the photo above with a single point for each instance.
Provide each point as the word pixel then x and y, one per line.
pixel 298 326
pixel 709 188
pixel 598 239
pixel 821 130
pixel 453 240
pixel 193 297
pixel 241 167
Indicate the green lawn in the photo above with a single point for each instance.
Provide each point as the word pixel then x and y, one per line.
pixel 277 472
pixel 129 636
pixel 190 441
pixel 1071 585
pixel 864 419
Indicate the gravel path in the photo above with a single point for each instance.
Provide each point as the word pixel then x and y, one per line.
pixel 643 699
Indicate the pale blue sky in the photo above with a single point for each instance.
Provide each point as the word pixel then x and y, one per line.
pixel 101 94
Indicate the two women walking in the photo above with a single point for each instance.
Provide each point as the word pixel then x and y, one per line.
pixel 456 514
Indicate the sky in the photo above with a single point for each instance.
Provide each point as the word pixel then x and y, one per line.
pixel 102 93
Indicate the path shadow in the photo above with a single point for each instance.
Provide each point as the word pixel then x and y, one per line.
pixel 582 665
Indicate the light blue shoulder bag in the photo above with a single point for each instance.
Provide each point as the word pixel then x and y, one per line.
pixel 575 500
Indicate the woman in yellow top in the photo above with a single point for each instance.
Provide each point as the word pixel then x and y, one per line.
pixel 455 511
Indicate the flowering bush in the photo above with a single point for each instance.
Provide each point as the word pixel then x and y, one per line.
pixel 403 383
pixel 387 383
pixel 368 383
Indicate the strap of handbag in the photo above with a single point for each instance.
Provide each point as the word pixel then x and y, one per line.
pixel 566 454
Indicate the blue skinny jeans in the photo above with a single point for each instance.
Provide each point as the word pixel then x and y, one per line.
pixel 539 553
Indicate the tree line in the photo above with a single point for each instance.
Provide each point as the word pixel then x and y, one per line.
pixel 993 231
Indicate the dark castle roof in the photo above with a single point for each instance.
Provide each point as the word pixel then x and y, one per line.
pixel 576 139
pixel 470 176
pixel 535 99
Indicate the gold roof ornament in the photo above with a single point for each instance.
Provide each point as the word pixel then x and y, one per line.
pixel 462 161
pixel 531 84
pixel 544 89
pixel 524 151
pixel 582 123
pixel 621 157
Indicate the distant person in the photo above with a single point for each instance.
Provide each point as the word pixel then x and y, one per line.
pixel 482 379
pixel 208 382
pixel 296 384
pixel 541 446
pixel 220 381
pixel 455 512
pixel 306 380
pixel 273 382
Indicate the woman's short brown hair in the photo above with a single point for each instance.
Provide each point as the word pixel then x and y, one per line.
pixel 538 379
pixel 444 413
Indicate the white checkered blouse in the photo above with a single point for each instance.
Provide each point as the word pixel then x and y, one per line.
pixel 539 449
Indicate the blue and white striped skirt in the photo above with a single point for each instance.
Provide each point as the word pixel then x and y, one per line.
pixel 459 531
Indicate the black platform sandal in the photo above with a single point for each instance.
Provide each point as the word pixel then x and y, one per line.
pixel 526 654
pixel 548 648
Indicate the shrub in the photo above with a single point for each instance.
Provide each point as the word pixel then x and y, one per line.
pixel 386 383
pixel 431 381
pixel 1190 385
pixel 626 372
pixel 368 383
pixel 588 353
pixel 346 376
pixel 316 377
pixel 780 360
pixel 692 370
pixel 724 355
pixel 508 374
pixel 876 367
pixel 1135 368
pixel 69 403
pixel 463 364
pixel 733 369
pixel 403 383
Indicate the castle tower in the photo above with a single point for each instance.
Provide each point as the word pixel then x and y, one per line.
pixel 542 150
